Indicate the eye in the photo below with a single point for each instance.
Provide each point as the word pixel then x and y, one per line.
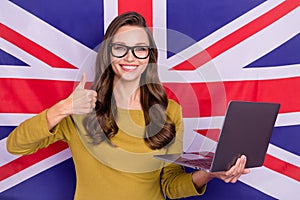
pixel 141 48
pixel 118 47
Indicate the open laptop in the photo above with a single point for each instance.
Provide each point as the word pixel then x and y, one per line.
pixel 247 129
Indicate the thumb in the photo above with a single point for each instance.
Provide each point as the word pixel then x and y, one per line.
pixel 82 81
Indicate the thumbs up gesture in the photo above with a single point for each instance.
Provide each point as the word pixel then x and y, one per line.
pixel 82 100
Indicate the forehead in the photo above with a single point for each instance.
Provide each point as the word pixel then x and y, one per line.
pixel 131 35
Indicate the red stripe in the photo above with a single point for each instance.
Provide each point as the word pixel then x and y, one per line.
pixel 282 167
pixel 196 98
pixel 238 36
pixel 30 95
pixel 207 99
pixel 271 162
pixel 33 48
pixel 24 162
pixel 143 7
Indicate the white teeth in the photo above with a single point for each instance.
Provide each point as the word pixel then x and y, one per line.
pixel 129 67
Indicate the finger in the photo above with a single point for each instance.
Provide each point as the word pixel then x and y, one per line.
pixel 240 169
pixel 82 81
pixel 233 169
pixel 229 179
pixel 232 178
pixel 246 171
pixel 243 163
pixel 93 94
pixel 235 179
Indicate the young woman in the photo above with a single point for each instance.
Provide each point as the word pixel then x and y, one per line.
pixel 114 129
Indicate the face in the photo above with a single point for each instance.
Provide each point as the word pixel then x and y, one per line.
pixel 129 67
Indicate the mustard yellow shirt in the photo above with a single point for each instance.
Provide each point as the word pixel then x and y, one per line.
pixel 124 170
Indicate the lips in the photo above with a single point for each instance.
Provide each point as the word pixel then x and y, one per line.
pixel 129 67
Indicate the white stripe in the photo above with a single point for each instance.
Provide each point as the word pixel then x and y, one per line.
pixel 110 11
pixel 283 119
pixel 12 119
pixel 288 119
pixel 34 170
pixel 5 156
pixel 159 18
pixel 272 183
pixel 284 155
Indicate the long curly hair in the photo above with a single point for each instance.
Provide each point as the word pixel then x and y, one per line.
pixel 160 129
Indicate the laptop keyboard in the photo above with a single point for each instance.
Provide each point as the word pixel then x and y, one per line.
pixel 201 163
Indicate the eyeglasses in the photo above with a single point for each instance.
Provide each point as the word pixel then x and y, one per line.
pixel 120 50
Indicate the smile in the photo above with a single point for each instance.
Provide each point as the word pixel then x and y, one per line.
pixel 129 67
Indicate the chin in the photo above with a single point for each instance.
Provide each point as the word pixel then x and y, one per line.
pixel 130 77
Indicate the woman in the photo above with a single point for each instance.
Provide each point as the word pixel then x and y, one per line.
pixel 113 147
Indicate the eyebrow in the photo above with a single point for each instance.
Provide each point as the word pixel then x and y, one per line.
pixel 137 44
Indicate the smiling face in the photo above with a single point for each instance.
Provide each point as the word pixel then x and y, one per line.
pixel 129 67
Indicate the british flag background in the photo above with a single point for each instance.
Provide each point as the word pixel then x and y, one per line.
pixel 211 52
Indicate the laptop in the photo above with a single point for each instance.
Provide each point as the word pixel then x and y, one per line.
pixel 247 129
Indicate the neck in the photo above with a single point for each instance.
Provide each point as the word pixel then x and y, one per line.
pixel 127 94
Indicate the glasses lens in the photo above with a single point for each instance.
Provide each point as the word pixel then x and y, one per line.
pixel 118 50
pixel 141 51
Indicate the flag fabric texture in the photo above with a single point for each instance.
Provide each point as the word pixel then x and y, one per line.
pixel 210 52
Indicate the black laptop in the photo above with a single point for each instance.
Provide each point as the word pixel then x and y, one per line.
pixel 247 129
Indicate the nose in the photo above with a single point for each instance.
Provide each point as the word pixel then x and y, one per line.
pixel 129 56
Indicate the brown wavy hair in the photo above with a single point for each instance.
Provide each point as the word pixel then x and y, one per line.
pixel 160 129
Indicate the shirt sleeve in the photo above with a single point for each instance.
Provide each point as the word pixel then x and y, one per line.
pixel 175 182
pixel 33 134
pixel 178 184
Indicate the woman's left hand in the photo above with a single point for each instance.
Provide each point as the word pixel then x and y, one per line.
pixel 231 176
pixel 234 173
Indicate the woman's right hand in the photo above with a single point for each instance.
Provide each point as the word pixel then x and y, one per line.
pixel 81 101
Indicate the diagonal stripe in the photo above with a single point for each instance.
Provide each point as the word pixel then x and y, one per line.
pixel 33 48
pixel 212 134
pixel 282 167
pixel 35 169
pixel 24 162
pixel 238 36
pixel 272 183
pixel 5 156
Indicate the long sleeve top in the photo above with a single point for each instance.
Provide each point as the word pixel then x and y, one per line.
pixel 124 170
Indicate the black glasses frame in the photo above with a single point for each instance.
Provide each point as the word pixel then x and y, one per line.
pixel 131 49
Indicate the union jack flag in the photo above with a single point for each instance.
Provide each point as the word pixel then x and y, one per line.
pixel 210 52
